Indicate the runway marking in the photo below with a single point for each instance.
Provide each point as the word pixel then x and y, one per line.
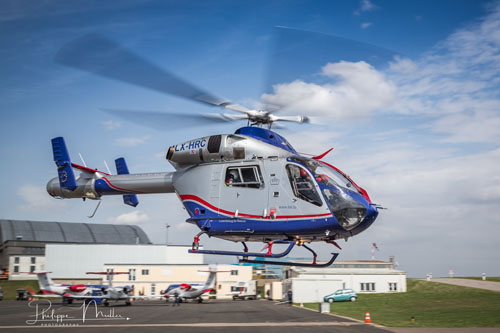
pixel 262 324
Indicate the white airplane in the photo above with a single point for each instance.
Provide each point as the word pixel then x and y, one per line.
pixel 193 291
pixel 67 291
pixel 119 293
pixel 113 293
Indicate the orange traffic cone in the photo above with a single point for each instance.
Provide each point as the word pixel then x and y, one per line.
pixel 367 318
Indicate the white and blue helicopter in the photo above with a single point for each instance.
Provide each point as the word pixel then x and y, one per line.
pixel 249 186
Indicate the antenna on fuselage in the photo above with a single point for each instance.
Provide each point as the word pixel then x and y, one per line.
pixel 83 161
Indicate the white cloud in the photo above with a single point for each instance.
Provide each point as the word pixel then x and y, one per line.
pixel 366 25
pixel 365 6
pixel 184 226
pixel 131 141
pixel 36 198
pixel 135 217
pixel 456 83
pixel 476 126
pixel 356 89
pixel 111 125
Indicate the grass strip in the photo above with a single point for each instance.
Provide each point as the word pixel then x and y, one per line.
pixel 431 304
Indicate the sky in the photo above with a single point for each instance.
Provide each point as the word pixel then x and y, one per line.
pixel 413 117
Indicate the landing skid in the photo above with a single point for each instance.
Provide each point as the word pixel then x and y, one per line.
pixel 291 263
pixel 268 254
pixel 291 244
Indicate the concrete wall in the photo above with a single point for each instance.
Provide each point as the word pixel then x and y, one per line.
pixel 308 291
pixel 72 261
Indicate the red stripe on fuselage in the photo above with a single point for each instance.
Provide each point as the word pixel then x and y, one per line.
pixel 84 168
pixel 118 188
pixel 219 210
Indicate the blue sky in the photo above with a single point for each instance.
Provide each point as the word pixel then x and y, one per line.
pixel 420 132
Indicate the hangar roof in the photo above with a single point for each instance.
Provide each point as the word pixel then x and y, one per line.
pixel 65 232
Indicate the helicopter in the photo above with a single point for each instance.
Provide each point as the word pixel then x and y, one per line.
pixel 247 186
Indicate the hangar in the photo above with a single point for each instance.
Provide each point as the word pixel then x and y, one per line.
pixel 69 263
pixel 23 243
pixel 363 276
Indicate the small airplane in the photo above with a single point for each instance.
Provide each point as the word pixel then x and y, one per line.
pixel 193 291
pixel 249 186
pixel 68 292
pixel 118 293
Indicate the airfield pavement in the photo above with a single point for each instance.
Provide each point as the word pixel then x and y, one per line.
pixel 488 285
pixel 213 316
pixel 148 316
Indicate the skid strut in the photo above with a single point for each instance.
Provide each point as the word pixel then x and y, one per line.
pixel 314 254
pixel 196 242
pixel 245 249
pixel 291 263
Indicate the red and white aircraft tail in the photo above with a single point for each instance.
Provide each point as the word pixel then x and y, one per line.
pixel 210 283
pixel 187 291
pixel 49 288
pixel 45 281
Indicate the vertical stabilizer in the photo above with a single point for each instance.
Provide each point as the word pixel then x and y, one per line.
pixel 210 283
pixel 65 171
pixel 44 281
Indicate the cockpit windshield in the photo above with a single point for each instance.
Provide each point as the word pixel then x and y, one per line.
pixel 326 175
pixel 347 210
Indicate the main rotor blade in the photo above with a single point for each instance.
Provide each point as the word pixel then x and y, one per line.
pixel 294 119
pixel 163 121
pixel 297 54
pixel 99 55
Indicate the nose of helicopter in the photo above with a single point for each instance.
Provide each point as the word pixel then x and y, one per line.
pixel 371 213
pixel 370 217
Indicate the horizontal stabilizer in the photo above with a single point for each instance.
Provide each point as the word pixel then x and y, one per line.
pixel 122 169
pixel 67 178
pixel 131 200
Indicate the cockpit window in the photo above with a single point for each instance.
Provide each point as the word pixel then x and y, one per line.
pixel 324 174
pixel 302 184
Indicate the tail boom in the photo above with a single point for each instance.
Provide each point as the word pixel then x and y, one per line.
pixel 97 184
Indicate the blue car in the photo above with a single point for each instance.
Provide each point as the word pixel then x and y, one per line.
pixel 342 295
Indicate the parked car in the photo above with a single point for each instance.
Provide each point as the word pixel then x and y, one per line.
pixel 342 295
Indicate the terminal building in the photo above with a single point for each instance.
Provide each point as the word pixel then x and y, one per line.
pixel 149 268
pixel 153 278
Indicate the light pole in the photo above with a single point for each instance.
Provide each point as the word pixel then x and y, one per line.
pixel 167 226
